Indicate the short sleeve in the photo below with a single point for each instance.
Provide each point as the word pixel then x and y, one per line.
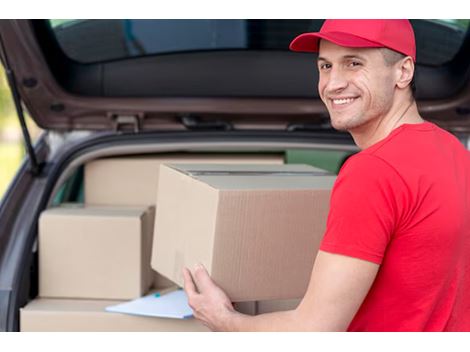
pixel 366 208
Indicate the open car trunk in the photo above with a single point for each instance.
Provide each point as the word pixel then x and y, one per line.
pixel 121 172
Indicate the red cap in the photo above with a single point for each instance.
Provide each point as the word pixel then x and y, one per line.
pixel 396 35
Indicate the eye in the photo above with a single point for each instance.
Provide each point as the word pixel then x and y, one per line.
pixel 354 64
pixel 325 66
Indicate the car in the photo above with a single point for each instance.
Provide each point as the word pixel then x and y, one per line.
pixel 101 88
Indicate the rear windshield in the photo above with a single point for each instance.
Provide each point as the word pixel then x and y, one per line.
pixel 92 41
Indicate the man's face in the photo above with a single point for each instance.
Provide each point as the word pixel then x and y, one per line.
pixel 355 84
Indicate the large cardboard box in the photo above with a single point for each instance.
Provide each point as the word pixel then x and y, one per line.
pixel 89 315
pixel 256 228
pixel 95 252
pixel 133 180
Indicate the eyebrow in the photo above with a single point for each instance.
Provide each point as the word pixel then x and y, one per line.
pixel 345 57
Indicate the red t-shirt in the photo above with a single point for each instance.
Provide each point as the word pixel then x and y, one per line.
pixel 404 203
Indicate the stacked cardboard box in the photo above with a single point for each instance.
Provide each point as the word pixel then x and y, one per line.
pixel 92 255
pixel 95 252
pixel 89 315
pixel 133 180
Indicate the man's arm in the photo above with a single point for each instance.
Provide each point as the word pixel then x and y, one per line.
pixel 337 288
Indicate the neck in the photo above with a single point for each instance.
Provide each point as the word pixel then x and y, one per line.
pixel 373 132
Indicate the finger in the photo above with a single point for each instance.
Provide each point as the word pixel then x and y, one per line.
pixel 195 303
pixel 189 286
pixel 202 279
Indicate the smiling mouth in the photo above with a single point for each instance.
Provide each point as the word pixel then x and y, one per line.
pixel 342 102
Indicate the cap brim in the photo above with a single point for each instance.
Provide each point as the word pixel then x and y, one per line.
pixel 309 42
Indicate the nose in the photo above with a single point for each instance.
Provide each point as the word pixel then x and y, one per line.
pixel 335 81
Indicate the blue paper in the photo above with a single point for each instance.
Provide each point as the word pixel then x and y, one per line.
pixel 171 305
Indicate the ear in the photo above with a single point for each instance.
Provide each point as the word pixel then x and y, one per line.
pixel 405 72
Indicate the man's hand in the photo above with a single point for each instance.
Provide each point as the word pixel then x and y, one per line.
pixel 208 301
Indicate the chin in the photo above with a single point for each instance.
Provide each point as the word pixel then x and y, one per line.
pixel 339 128
pixel 339 124
pixel 346 125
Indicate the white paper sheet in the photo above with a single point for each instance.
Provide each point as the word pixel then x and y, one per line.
pixel 170 305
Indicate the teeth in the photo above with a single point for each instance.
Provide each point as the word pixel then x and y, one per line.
pixel 342 101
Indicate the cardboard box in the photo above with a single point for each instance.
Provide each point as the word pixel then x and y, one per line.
pixel 256 228
pixel 133 180
pixel 89 315
pixel 47 314
pixel 95 252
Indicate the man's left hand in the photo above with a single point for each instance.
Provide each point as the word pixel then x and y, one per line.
pixel 208 301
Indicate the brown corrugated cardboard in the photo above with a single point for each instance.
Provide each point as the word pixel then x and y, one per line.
pixel 89 315
pixel 95 252
pixel 256 228
pixel 133 180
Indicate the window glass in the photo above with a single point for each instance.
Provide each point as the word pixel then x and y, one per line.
pixel 89 41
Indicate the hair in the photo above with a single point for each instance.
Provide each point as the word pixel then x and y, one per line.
pixel 391 57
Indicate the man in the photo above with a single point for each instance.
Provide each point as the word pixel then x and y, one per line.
pixel 396 252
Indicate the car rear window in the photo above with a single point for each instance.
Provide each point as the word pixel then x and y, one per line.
pixel 92 41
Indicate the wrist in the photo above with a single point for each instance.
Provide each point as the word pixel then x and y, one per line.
pixel 231 320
